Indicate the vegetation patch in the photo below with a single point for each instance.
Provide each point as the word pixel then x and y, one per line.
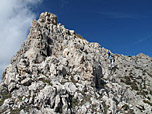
pixel 75 102
pixel 85 99
pixel 94 107
pixel 150 92
pixel 3 97
pixel 127 80
pixel 46 81
pixel 78 35
pixel 131 111
pixel 134 86
pixel 20 98
pixel 132 82
pixel 15 111
pixel 105 108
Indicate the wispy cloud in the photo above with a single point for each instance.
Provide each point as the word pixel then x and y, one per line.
pixel 143 39
pixel 15 19
pixel 121 15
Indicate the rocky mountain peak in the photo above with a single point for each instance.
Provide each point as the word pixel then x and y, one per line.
pixel 57 71
pixel 141 55
pixel 48 18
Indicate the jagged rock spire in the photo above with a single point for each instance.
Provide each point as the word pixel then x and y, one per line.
pixel 49 18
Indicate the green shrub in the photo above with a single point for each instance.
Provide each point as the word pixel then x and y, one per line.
pixel 74 102
pixel 16 111
pixel 4 96
pixel 78 35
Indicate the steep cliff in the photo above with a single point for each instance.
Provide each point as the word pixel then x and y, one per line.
pixel 57 71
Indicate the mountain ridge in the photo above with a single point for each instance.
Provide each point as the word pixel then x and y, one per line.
pixel 57 71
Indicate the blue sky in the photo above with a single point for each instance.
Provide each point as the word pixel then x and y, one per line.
pixel 122 26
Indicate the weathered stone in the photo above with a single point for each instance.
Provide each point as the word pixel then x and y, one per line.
pixel 70 87
pixel 48 17
pixel 72 32
pixel 26 81
pixel 11 86
pixel 57 71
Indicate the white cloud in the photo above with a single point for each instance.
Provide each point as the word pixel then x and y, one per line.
pixel 15 20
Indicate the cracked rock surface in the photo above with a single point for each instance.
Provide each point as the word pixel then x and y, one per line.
pixel 57 71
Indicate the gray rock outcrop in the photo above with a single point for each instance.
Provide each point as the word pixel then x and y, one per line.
pixel 58 71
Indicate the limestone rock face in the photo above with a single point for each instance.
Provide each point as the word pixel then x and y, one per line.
pixel 57 71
